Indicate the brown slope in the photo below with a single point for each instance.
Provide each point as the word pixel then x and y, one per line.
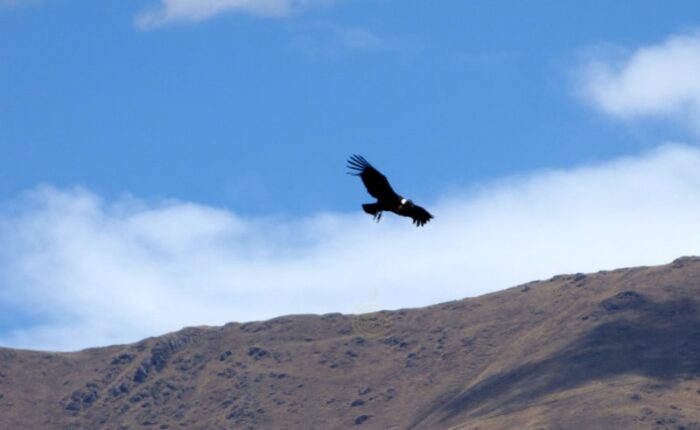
pixel 617 349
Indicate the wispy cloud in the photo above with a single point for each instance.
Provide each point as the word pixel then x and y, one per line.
pixel 94 272
pixel 658 80
pixel 486 58
pixel 190 11
pixel 336 41
pixel 16 3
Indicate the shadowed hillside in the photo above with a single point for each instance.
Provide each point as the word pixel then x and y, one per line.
pixel 617 349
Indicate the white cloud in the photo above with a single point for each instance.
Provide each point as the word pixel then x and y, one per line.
pixel 658 80
pixel 97 272
pixel 171 11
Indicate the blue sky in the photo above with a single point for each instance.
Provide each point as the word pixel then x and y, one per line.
pixel 208 138
pixel 258 114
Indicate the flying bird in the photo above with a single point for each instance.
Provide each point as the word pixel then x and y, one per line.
pixel 387 200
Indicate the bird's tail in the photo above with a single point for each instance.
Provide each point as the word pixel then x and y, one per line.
pixel 373 209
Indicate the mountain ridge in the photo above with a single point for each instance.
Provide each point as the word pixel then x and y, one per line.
pixel 612 349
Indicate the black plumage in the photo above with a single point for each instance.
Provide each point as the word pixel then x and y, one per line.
pixel 387 199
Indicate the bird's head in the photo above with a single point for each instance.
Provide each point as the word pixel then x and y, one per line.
pixel 406 203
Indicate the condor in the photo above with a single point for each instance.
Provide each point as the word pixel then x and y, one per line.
pixel 387 200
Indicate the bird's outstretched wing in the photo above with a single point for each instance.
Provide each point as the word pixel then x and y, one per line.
pixel 377 185
pixel 419 215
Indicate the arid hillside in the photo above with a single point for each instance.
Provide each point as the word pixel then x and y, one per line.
pixel 609 350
